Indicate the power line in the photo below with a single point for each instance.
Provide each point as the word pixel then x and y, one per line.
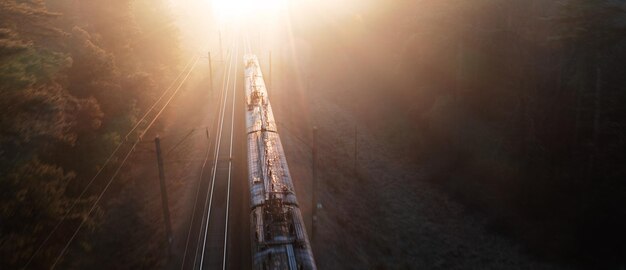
pixel 206 158
pixel 293 133
pixel 169 100
pixel 230 162
pixel 209 198
pixel 109 158
pixel 56 261
pixel 180 141
pixel 120 167
pixel 159 99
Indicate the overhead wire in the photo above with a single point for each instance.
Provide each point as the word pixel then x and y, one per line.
pixel 100 170
pixel 180 141
pixel 217 117
pixel 210 197
pixel 58 258
pixel 230 160
pixel 160 97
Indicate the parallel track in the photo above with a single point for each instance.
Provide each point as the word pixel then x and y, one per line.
pixel 210 238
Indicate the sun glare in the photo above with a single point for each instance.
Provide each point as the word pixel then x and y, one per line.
pixel 239 10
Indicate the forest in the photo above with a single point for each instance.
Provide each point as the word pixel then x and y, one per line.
pixel 516 108
pixel 74 77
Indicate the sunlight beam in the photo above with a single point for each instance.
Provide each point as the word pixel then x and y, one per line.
pixel 230 11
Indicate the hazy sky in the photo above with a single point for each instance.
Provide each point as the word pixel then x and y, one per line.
pixel 200 21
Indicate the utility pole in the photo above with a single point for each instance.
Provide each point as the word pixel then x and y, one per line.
pixel 356 147
pixel 314 172
pixel 270 73
pixel 210 73
pixel 221 55
pixel 166 211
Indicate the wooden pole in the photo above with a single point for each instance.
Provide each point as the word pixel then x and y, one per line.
pixel 314 182
pixel 356 147
pixel 210 73
pixel 166 211
pixel 270 74
pixel 221 50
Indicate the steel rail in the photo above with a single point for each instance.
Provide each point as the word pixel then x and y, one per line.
pixel 205 219
pixel 221 128
pixel 230 160
pixel 220 117
pixel 204 163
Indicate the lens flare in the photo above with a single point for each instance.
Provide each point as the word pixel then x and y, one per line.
pixel 240 10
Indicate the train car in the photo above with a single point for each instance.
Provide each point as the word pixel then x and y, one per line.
pixel 279 239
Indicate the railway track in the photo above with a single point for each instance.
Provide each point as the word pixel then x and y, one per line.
pixel 245 199
pixel 213 252
pixel 208 244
